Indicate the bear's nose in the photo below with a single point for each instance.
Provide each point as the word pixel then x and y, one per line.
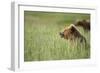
pixel 61 34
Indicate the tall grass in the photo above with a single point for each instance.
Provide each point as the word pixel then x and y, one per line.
pixel 43 42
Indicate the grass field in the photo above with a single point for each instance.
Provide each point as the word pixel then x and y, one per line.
pixel 42 41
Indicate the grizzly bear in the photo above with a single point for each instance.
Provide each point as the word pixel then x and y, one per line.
pixel 71 33
pixel 84 23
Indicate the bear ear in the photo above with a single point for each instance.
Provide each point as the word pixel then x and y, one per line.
pixel 72 27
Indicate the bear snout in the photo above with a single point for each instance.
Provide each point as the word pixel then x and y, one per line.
pixel 61 34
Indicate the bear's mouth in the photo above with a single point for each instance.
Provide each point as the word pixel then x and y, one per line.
pixel 61 34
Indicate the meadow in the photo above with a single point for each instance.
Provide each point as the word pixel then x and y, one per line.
pixel 42 41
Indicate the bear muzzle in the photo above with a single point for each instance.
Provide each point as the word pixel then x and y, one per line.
pixel 61 34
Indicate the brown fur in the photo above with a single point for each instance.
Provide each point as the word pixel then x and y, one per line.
pixel 72 33
pixel 84 23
